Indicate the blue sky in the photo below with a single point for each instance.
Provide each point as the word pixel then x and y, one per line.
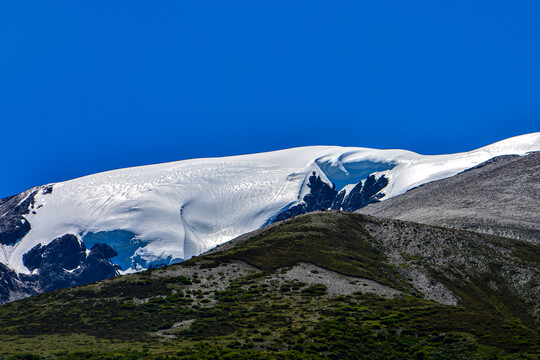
pixel 89 86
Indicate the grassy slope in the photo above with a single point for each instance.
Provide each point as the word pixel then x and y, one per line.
pixel 255 317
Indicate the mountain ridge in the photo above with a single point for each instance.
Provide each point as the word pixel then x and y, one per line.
pixel 499 197
pixel 166 213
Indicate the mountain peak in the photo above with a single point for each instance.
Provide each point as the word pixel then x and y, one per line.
pixel 161 214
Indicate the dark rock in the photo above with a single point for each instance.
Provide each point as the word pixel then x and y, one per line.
pixel 13 224
pixel 323 197
pixel 320 197
pixel 4 200
pixel 97 265
pixel 363 195
pixel 12 229
pixel 53 277
pixel 66 252
pixel 103 251
pixel 336 205
pixel 54 260
pixel 32 259
pixel 61 263
pixel 155 266
pixel 291 212
pixel 13 287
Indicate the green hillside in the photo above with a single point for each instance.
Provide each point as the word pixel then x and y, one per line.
pixel 322 285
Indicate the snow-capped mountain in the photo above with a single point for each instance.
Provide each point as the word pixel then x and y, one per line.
pixel 165 213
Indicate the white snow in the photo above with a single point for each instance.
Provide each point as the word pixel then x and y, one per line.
pixel 180 209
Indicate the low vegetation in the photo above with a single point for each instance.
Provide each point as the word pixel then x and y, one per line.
pixel 229 305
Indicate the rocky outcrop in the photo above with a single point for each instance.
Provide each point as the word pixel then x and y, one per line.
pixel 97 265
pixel 365 193
pixel 63 262
pixel 322 196
pixel 66 252
pixel 14 286
pixel 13 224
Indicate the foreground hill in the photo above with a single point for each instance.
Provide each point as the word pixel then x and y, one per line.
pixel 121 221
pixel 321 285
pixel 500 196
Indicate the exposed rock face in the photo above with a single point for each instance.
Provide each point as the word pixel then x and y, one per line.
pixel 322 196
pixel 65 251
pixel 499 197
pixel 364 194
pixel 61 263
pixel 97 265
pixel 14 287
pixel 13 225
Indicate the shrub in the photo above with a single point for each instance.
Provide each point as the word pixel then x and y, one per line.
pixel 317 289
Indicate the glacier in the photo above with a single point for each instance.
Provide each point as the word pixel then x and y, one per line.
pixel 166 213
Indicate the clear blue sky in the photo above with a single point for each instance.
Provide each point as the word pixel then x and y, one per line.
pixel 88 86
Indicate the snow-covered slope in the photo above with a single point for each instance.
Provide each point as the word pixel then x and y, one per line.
pixel 165 213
